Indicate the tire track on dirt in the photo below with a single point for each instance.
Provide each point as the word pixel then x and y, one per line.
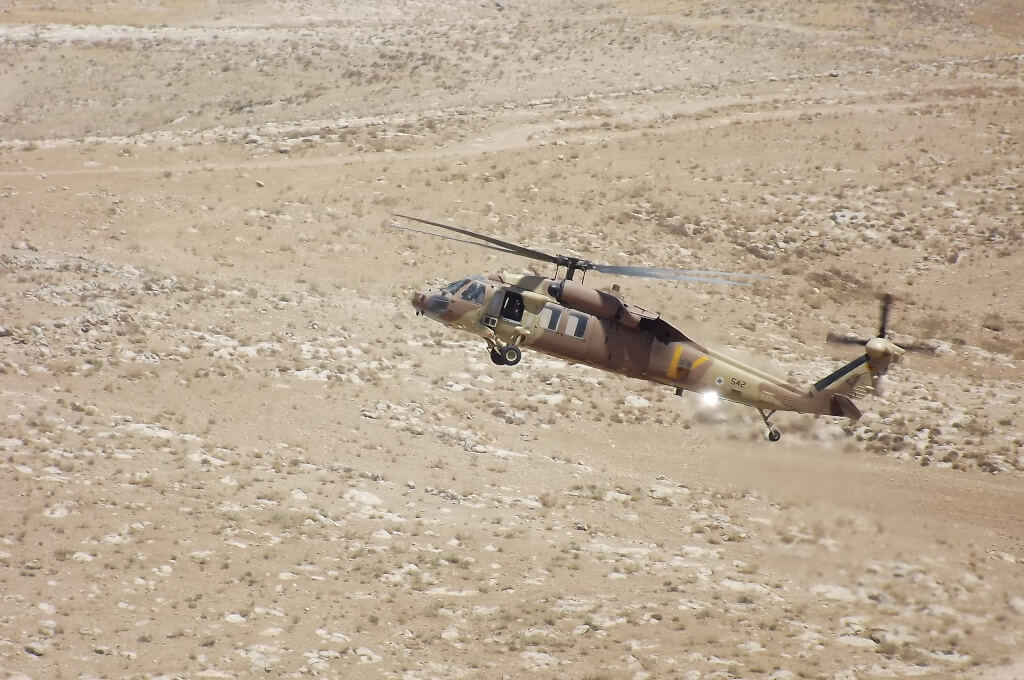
pixel 495 136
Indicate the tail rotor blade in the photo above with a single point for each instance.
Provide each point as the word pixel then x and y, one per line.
pixel 845 339
pixel 918 347
pixel 883 324
pixel 883 331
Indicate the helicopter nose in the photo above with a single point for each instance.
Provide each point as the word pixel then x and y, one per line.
pixel 432 303
pixel 419 301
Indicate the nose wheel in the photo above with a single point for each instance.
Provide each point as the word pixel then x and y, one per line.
pixel 773 432
pixel 509 355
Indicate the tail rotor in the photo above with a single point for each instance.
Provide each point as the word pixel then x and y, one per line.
pixel 883 333
pixel 864 374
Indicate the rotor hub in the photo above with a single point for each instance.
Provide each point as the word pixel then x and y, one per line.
pixel 879 348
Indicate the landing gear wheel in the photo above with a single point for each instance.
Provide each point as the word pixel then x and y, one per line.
pixel 774 435
pixel 511 355
pixel 496 358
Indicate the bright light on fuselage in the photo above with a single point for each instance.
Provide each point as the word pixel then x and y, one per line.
pixel 709 398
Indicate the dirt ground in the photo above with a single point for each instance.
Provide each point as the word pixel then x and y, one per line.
pixel 229 449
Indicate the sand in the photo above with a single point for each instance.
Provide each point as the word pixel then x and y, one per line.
pixel 230 448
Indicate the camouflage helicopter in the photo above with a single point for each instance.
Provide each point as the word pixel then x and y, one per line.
pixel 564 318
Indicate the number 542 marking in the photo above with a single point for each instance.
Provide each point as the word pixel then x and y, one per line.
pixel 736 382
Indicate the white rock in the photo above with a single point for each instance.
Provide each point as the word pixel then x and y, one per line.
pixel 367 655
pixel 856 641
pixel 743 586
pixel 364 497
pixel 833 592
pixel 58 510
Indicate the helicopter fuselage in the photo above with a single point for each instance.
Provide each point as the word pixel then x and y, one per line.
pixel 583 325
pixel 565 319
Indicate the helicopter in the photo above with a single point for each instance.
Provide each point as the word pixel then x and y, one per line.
pixel 564 318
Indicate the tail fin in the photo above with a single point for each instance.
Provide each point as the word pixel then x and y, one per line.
pixel 842 405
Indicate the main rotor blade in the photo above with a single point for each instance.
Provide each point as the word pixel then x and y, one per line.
pixel 510 247
pixel 452 238
pixel 665 274
pixel 579 264
pixel 696 272
pixel 676 274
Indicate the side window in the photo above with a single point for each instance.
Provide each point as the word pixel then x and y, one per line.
pixel 474 293
pixel 576 325
pixel 549 317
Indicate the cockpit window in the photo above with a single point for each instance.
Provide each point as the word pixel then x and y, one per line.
pixel 475 293
pixel 453 288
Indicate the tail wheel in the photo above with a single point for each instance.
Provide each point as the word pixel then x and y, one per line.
pixel 773 432
pixel 511 355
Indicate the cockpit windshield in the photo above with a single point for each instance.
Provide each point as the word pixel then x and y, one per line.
pixel 453 288
pixel 475 293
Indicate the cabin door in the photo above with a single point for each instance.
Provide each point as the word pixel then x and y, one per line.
pixel 514 320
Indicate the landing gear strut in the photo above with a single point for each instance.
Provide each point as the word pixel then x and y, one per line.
pixel 773 432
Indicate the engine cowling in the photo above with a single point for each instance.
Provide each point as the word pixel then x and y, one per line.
pixel 592 301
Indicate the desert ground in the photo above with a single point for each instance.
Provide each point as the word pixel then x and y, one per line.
pixel 229 448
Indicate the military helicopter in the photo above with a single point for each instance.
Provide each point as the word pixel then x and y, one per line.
pixel 567 319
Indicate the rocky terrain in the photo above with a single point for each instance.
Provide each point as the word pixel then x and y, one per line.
pixel 230 449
